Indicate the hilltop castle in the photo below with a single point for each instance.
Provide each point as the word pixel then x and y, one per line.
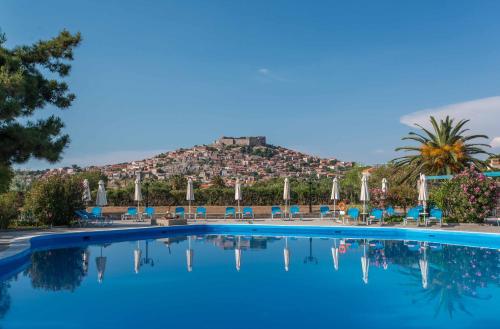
pixel 242 141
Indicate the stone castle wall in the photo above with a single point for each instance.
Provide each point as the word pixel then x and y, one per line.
pixel 242 141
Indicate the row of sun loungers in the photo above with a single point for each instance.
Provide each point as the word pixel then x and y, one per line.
pixel 414 214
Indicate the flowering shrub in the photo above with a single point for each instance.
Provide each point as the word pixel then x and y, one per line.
pixel 378 197
pixel 467 197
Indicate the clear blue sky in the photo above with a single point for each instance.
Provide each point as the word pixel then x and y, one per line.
pixel 328 78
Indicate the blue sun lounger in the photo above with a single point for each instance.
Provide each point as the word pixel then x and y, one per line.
pixel 201 212
pixel 179 211
pixel 352 213
pixel 247 213
pixel 324 211
pixel 276 211
pixel 230 211
pixel 376 215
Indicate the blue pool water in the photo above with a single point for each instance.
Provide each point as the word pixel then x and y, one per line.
pixel 225 281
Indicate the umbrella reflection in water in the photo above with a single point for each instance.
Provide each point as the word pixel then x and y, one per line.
pixel 237 255
pixel 286 255
pixel 137 258
pixel 365 264
pixel 424 267
pixel 335 255
pixel 101 267
pixel 189 256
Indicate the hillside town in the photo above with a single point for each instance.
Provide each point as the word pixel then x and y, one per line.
pixel 249 159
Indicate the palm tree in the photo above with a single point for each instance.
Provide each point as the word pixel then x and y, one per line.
pixel 443 151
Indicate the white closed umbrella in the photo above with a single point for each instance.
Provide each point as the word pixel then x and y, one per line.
pixel 86 191
pixel 101 267
pixel 423 195
pixel 286 255
pixel 385 186
pixel 189 195
pixel 335 255
pixel 237 193
pixel 138 195
pixel 189 256
pixel 365 264
pixel 365 193
pixel 335 194
pixel 286 194
pixel 101 198
pixel 137 258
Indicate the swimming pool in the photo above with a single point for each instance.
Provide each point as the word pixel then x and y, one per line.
pixel 249 277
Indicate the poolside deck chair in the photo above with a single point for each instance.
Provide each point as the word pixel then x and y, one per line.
pixel 131 214
pixel 230 211
pixel 276 211
pixel 99 217
pixel 389 211
pixel 149 213
pixel 180 211
pixel 201 212
pixel 436 215
pixel 352 213
pixel 295 211
pixel 324 211
pixel 412 214
pixel 85 218
pixel 376 215
pixel 97 211
pixel 247 213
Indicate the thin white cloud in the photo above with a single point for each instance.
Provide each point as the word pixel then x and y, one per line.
pixel 484 116
pixel 268 75
pixel 495 142
pixel 263 71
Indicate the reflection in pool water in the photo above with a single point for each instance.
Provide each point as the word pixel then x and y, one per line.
pixel 244 281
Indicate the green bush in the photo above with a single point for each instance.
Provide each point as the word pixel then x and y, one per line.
pixel 9 209
pixel 54 200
